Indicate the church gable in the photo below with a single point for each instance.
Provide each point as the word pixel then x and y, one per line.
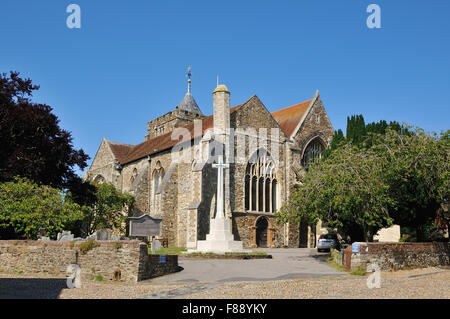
pixel 103 156
pixel 253 114
pixel 315 124
pixel 103 163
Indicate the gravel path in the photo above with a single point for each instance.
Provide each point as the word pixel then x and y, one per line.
pixel 420 283
pixel 425 283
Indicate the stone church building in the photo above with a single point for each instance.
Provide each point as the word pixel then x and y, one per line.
pixel 267 152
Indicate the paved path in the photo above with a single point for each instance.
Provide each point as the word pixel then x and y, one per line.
pixel 286 264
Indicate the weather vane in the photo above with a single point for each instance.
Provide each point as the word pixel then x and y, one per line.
pixel 189 74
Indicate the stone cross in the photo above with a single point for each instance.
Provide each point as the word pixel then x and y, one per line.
pixel 219 198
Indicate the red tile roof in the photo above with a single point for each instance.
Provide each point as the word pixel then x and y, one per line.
pixel 163 142
pixel 288 119
pixel 120 150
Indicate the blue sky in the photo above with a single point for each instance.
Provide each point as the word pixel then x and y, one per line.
pixel 127 63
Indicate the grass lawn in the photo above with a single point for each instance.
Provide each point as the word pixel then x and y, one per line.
pixel 169 251
pixel 182 250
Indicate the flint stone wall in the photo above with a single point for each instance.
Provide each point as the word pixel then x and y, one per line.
pixel 398 256
pixel 52 258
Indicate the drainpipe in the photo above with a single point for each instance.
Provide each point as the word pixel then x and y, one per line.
pixel 285 187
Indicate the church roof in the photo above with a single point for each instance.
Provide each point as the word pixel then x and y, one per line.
pixel 288 118
pixel 188 104
pixel 164 141
pixel 120 150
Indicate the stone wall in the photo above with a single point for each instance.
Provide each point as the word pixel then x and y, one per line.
pixel 103 165
pixel 156 265
pixel 52 258
pixel 167 122
pixel 397 256
pixel 244 229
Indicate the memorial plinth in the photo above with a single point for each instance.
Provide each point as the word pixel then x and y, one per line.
pixel 220 240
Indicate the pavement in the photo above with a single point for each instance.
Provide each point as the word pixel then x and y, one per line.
pixel 287 263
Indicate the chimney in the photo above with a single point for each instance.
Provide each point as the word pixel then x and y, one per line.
pixel 221 105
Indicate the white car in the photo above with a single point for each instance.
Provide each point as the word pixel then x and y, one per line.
pixel 327 241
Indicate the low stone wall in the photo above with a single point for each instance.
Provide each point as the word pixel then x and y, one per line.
pixel 158 265
pixel 397 256
pixel 337 256
pixel 53 257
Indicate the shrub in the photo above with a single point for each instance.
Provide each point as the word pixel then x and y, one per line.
pixel 88 245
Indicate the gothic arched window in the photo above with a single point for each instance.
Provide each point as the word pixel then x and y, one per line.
pixel 261 183
pixel 99 179
pixel 313 151
pixel 133 177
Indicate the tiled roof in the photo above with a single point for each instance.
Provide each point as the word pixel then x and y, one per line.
pixel 288 119
pixel 188 104
pixel 164 141
pixel 120 150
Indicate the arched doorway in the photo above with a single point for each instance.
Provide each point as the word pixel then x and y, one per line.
pixel 262 227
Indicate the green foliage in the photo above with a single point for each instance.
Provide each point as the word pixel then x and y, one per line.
pixel 358 272
pixel 99 278
pixel 337 141
pixel 356 129
pixel 395 174
pixel 168 251
pixel 88 245
pixel 416 167
pixel 248 254
pixel 33 144
pixel 110 209
pixel 26 206
pixel 336 266
pixel 345 191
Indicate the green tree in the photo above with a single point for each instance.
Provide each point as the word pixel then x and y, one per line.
pixel 396 175
pixel 26 206
pixel 337 141
pixel 110 209
pixel 346 191
pixel 416 168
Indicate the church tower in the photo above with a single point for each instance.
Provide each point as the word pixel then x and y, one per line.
pixel 186 111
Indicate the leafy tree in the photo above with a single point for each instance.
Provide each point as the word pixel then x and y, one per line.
pixel 25 207
pixel 109 210
pixel 337 141
pixel 346 191
pixel 399 175
pixel 33 144
pixel 356 129
pixel 416 167
pixel 360 134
